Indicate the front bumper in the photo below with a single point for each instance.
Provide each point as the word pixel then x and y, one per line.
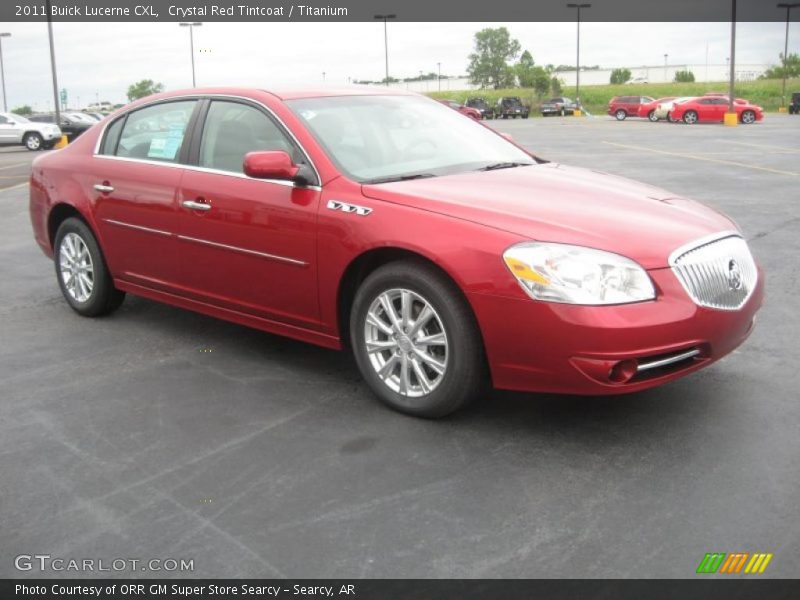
pixel 596 350
pixel 49 136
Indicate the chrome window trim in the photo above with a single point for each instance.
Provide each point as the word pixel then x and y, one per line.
pixel 283 259
pixel 200 97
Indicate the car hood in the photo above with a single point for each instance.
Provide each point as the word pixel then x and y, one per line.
pixel 556 203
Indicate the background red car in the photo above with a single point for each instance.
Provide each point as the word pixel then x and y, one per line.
pixel 473 113
pixel 713 108
pixel 622 107
pixel 647 110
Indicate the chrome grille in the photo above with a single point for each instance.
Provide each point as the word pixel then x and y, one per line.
pixel 717 273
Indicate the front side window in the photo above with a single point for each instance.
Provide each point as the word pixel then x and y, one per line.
pixel 377 138
pixel 155 132
pixel 3 120
pixel 233 129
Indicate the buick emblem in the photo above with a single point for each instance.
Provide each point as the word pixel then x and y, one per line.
pixel 734 275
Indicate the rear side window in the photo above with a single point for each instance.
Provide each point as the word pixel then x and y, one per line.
pixel 111 138
pixel 233 129
pixel 155 132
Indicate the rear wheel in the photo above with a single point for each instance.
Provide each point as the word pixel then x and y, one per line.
pixel 652 116
pixel 690 117
pixel 620 115
pixel 33 141
pixel 81 271
pixel 748 117
pixel 416 341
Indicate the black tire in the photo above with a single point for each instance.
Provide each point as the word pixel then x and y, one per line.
pixel 505 116
pixel 465 375
pixel 33 141
pixel 620 115
pixel 525 116
pixel 103 297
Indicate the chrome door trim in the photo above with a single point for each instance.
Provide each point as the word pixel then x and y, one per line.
pixel 200 97
pixel 283 259
pixel 663 362
pixel 139 227
pixel 192 204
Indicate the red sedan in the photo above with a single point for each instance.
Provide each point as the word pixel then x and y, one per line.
pixel 647 110
pixel 444 256
pixel 468 111
pixel 713 108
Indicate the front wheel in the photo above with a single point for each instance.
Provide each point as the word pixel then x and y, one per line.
pixel 33 141
pixel 652 116
pixel 416 341
pixel 748 117
pixel 81 271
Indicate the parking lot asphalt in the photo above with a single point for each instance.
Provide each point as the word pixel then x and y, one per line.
pixel 159 433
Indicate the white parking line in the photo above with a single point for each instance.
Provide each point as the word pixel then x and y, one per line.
pixel 705 158
pixel 14 187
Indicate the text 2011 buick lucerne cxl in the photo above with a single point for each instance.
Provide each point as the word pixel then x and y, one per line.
pixel 444 255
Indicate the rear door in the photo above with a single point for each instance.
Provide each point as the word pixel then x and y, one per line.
pixel 134 184
pixel 251 244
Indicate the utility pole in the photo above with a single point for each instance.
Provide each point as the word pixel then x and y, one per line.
pixel 732 120
pixel 57 120
pixel 191 27
pixel 3 72
pixel 578 60
pixel 385 18
pixel 788 8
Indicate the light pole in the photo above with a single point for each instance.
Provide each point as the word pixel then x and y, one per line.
pixel 788 8
pixel 57 120
pixel 385 18
pixel 191 27
pixel 578 61
pixel 731 118
pixel 439 76
pixel 3 73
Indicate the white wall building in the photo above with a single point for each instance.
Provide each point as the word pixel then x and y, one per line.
pixel 650 74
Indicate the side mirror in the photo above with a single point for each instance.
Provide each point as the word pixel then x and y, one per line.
pixel 270 165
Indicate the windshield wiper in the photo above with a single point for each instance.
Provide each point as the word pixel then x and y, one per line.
pixel 503 165
pixel 400 178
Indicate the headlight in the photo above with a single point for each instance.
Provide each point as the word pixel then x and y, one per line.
pixel 577 275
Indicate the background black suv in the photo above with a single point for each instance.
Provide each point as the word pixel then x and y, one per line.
pixel 511 106
pixel 482 106
pixel 794 105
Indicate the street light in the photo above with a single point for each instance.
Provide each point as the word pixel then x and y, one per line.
pixel 385 18
pixel 57 120
pixel 578 61
pixel 2 71
pixel 788 8
pixel 191 27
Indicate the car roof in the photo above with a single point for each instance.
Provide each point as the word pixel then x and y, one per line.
pixel 293 93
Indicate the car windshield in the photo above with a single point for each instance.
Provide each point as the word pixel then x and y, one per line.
pixel 19 118
pixel 375 139
pixel 477 103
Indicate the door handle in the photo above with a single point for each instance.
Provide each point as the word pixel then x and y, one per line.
pixel 194 205
pixel 101 187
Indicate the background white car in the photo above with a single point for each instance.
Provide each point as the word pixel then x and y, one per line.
pixel 663 109
pixel 17 130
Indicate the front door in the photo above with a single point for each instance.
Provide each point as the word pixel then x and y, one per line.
pixel 247 244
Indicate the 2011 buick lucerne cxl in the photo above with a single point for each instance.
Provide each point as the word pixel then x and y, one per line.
pixel 445 256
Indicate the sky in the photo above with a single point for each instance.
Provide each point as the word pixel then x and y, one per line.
pixel 99 61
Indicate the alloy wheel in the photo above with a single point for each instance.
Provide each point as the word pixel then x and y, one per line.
pixel 406 342
pixel 32 142
pixel 748 117
pixel 77 269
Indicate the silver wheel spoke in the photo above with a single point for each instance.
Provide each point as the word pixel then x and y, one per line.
pixel 388 368
pixel 376 321
pixel 388 308
pixel 405 382
pixel 422 378
pixel 431 362
pixel 424 316
pixel 436 339
pixel 405 308
pixel 77 270
pixel 381 346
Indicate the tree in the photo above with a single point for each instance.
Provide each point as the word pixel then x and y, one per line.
pixel 791 67
pixel 620 76
pixel 488 64
pixel 684 76
pixel 555 86
pixel 23 111
pixel 143 88
pixel 531 75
